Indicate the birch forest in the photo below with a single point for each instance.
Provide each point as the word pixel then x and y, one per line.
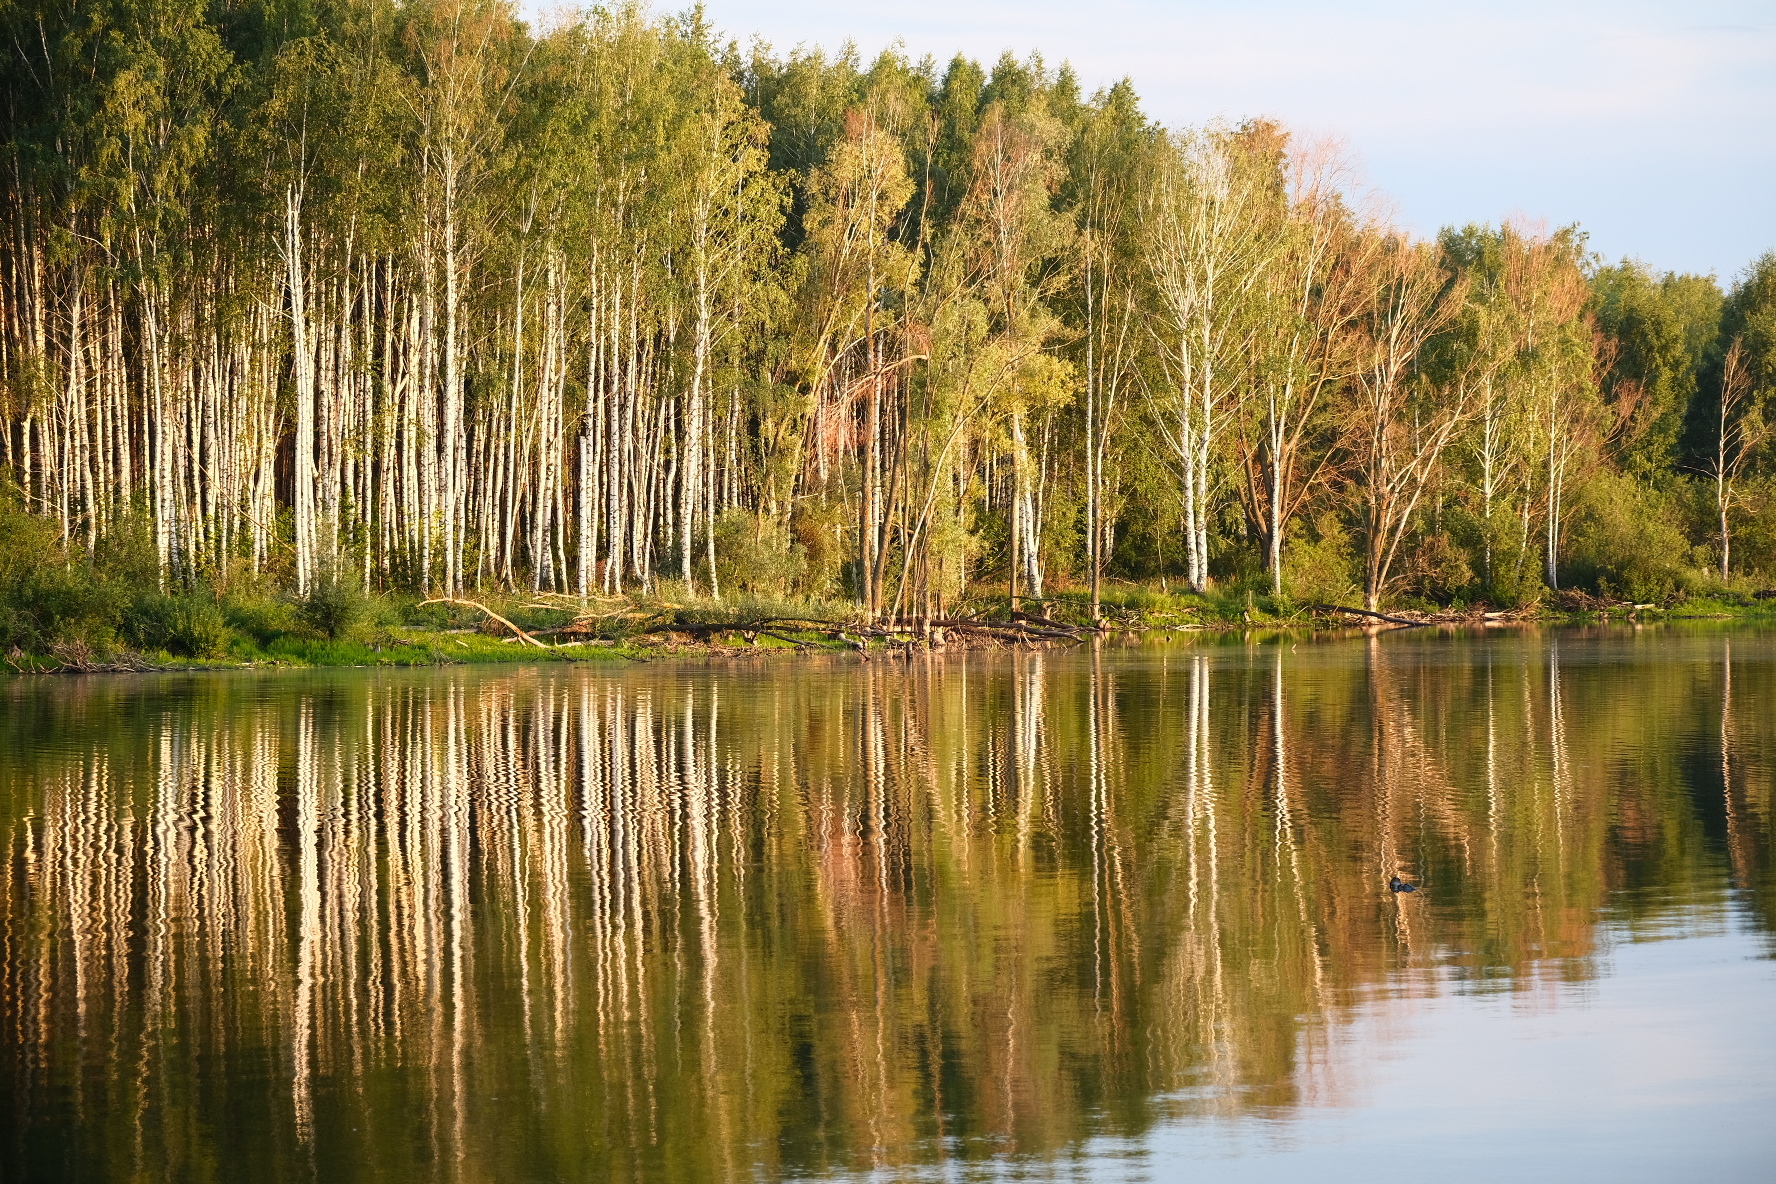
pixel 423 299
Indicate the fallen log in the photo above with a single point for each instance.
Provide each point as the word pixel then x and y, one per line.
pixel 1035 619
pixel 491 614
pixel 1365 612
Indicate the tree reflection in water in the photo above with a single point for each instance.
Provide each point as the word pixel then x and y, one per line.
pixel 688 923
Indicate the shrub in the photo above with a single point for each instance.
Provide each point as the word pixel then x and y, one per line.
pixel 45 597
pixel 1437 569
pixel 818 533
pixel 58 604
pixel 1237 562
pixel 126 556
pixel 191 626
pixel 754 555
pixel 1319 561
pixel 1754 530
pixel 1516 566
pixel 261 617
pixel 333 606
pixel 1624 540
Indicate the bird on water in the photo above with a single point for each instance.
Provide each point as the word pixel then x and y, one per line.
pixel 1398 885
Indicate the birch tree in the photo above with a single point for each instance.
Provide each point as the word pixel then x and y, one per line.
pixel 1739 432
pixel 1110 156
pixel 1308 299
pixel 1010 237
pixel 1209 244
pixel 856 202
pixel 1399 426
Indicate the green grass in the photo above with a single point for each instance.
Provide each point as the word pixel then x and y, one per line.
pixel 1728 606
pixel 418 647
pixel 400 631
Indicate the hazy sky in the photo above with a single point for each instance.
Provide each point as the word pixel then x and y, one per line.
pixel 1653 125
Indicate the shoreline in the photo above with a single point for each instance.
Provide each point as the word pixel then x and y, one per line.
pixel 411 647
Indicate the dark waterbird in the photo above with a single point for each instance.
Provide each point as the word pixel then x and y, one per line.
pixel 1398 885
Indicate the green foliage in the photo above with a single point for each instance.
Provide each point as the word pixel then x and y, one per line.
pixel 1625 540
pixel 755 555
pixel 334 607
pixel 57 605
pixel 260 617
pixel 1515 577
pixel 1657 332
pixel 125 556
pixel 1439 571
pixel 1750 314
pixel 47 596
pixel 1747 317
pixel 817 533
pixel 1321 562
pixel 1754 535
pixel 190 626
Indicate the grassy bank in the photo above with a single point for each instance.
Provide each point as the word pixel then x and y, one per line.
pixel 338 625
pixel 101 603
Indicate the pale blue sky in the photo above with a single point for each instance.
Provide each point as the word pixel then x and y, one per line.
pixel 1652 124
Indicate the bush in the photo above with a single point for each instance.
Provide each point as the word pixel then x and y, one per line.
pixel 261 617
pixel 1320 562
pixel 754 555
pixel 1754 530
pixel 46 598
pixel 1437 569
pixel 126 556
pixel 58 604
pixel 818 533
pixel 191 626
pixel 333 607
pixel 1516 576
pixel 1623 540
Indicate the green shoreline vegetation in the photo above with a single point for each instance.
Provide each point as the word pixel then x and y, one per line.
pixel 366 333
pixel 111 615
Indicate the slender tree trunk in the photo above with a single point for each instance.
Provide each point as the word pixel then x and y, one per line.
pixel 1721 499
pixel 1091 439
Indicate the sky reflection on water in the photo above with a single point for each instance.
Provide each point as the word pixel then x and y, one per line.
pixel 1113 915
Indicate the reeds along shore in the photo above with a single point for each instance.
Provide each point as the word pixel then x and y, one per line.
pixel 434 907
pixel 417 298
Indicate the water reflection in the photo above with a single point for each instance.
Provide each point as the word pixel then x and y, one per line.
pixel 713 924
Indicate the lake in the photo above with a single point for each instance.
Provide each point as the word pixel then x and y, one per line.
pixel 1112 913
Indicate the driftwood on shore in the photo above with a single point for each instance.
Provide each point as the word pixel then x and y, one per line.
pixel 1408 620
pixel 614 621
pixel 1365 612
pixel 491 615
pixel 76 657
pixel 934 633
pixel 804 632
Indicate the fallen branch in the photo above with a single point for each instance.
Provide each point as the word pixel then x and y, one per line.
pixel 784 637
pixel 77 657
pixel 1364 612
pixel 1035 619
pixel 495 616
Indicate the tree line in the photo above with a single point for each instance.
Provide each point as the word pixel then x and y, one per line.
pixel 413 296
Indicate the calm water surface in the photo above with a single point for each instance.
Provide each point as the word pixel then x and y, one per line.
pixel 1113 915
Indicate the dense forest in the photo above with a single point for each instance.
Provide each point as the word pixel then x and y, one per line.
pixel 414 296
